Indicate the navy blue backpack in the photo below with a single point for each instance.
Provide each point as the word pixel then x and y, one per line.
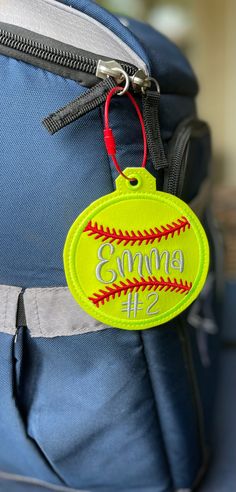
pixel 84 406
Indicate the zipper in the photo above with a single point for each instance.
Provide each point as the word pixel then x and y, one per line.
pixel 139 80
pixel 110 72
pixel 94 98
pixel 185 342
pixel 189 128
pixel 100 68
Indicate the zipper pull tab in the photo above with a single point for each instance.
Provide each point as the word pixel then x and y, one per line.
pixel 151 104
pixel 82 105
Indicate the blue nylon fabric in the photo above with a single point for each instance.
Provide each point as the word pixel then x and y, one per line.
pixel 173 395
pixel 87 402
pixel 47 181
pixel 207 364
pixel 173 110
pixel 17 451
pixel 168 64
pixel 207 375
pixel 229 311
pixel 104 410
pixel 173 389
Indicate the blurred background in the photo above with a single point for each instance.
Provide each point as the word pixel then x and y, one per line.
pixel 205 31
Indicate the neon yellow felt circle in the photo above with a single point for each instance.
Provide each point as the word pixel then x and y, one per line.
pixel 136 258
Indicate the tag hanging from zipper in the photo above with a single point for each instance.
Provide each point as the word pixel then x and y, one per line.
pixel 97 96
pixel 138 257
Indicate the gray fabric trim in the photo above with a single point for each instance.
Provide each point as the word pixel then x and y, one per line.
pixel 52 312
pixel 40 483
pixel 8 308
pixel 68 25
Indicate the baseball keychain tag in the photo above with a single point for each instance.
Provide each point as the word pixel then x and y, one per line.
pixel 138 257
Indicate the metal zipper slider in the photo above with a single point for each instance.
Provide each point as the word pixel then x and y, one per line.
pixel 140 81
pixel 113 69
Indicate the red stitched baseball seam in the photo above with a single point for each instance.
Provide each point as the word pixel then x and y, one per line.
pixel 111 235
pixel 151 283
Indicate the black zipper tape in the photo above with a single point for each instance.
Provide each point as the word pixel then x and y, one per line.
pixel 82 105
pixel 39 50
pixel 36 49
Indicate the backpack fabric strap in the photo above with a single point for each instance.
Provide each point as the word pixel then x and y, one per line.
pixel 48 312
pixel 8 308
pixel 53 312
